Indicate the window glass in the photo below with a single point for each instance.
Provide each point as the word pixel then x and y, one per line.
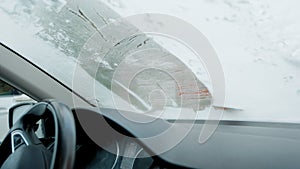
pixel 256 41
pixel 9 97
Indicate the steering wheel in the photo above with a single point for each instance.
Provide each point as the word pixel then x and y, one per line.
pixel 22 149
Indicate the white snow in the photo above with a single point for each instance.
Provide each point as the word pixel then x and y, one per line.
pixel 257 42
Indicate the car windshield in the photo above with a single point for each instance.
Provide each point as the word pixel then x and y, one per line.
pixel 112 64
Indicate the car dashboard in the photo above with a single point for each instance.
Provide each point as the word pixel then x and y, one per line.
pixel 117 152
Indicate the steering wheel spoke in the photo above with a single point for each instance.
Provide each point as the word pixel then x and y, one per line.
pixel 17 140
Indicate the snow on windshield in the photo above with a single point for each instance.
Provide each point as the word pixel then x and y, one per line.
pixel 64 36
pixel 257 43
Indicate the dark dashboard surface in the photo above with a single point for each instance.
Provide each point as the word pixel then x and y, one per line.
pixel 234 145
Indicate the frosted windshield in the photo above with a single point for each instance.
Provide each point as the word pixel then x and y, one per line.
pixel 257 43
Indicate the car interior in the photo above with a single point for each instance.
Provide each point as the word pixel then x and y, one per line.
pixel 49 134
pixel 131 84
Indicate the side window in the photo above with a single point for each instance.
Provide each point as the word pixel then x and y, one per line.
pixel 9 97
